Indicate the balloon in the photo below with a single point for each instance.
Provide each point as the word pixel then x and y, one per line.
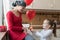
pixel 28 2
pixel 30 14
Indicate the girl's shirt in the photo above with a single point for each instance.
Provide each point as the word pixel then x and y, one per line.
pixel 44 34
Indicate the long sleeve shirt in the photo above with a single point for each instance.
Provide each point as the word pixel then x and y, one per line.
pixel 15 26
pixel 44 34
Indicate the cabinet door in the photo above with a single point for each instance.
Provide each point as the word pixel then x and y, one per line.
pixel 42 4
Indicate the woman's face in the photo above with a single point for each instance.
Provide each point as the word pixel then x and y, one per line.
pixel 20 8
pixel 46 24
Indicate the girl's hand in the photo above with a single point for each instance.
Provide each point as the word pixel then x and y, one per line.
pixel 25 29
pixel 31 29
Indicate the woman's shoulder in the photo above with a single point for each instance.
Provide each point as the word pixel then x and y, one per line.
pixel 9 12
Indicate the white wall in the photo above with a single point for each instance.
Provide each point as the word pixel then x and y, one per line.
pixel 45 4
pixel 41 4
pixel 57 4
pixel 0 12
pixel 6 7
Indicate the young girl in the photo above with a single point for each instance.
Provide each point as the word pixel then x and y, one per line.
pixel 46 33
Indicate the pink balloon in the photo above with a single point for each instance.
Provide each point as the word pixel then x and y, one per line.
pixel 30 14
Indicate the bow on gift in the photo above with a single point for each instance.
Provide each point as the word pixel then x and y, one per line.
pixel 3 28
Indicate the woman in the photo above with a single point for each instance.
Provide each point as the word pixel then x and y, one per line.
pixel 14 19
pixel 46 33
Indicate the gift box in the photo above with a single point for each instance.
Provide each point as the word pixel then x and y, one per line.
pixel 3 28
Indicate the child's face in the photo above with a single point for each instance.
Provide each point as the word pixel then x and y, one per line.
pixel 46 24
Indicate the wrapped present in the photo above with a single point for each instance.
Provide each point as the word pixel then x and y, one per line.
pixel 3 28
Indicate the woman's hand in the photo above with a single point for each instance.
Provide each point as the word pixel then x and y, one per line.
pixel 25 30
